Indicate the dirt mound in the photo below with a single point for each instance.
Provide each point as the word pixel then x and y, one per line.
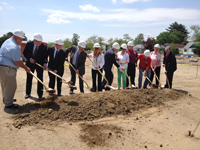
pixel 80 107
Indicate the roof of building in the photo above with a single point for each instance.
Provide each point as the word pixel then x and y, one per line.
pixel 176 45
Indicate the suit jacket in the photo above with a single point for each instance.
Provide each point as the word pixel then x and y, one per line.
pixel 81 58
pixel 56 63
pixel 41 56
pixel 170 65
pixel 109 59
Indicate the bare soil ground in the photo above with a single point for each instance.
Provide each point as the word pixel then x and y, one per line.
pixel 123 119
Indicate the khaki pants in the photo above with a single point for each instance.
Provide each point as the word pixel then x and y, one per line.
pixel 8 84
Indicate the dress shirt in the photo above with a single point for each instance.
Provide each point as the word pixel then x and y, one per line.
pixel 98 61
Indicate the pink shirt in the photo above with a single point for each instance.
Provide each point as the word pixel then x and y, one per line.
pixel 154 58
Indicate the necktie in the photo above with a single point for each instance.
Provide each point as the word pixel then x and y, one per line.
pixel 56 53
pixel 76 65
pixel 35 52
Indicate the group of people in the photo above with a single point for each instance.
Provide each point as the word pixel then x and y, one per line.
pixel 38 57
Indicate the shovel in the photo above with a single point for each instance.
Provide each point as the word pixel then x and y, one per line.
pixel 49 90
pixel 88 87
pixel 63 80
pixel 102 76
pixel 156 76
pixel 144 75
pixel 130 85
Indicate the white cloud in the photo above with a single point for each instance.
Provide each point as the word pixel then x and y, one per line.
pixel 131 1
pixel 114 1
pixel 4 3
pixel 128 17
pixel 0 8
pixel 89 8
pixel 57 19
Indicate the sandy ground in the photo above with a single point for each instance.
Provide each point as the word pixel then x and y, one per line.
pixel 162 126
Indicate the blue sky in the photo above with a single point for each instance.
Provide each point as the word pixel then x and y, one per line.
pixel 105 18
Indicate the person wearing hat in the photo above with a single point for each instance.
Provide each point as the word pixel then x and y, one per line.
pixel 144 67
pixel 155 63
pixel 132 63
pixel 169 62
pixel 56 63
pixel 98 60
pixel 35 51
pixel 10 61
pixel 123 60
pixel 77 59
pixel 110 59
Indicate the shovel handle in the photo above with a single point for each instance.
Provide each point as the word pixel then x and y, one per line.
pixel 144 75
pixel 38 79
pixel 155 75
pixel 102 75
pixel 98 70
pixel 49 70
pixel 78 74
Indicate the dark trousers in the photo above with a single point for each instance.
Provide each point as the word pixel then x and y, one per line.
pixel 73 79
pixel 29 79
pixel 94 74
pixel 170 78
pixel 131 74
pixel 59 81
pixel 157 71
pixel 109 77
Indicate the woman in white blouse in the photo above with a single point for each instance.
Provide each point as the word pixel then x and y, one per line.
pixel 123 61
pixel 98 59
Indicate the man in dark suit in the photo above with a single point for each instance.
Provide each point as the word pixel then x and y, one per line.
pixel 56 64
pixel 35 51
pixel 77 59
pixel 169 62
pixel 110 59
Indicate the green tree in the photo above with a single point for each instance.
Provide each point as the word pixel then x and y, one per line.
pixel 196 35
pixel 163 38
pixel 67 43
pixel 175 37
pixel 5 37
pixel 50 44
pixel 90 42
pixel 139 39
pixel 175 50
pixel 110 41
pixel 175 27
pixel 75 39
pixel 197 50
pixel 127 38
pixel 101 40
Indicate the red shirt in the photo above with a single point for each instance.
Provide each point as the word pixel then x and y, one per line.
pixel 144 62
pixel 132 56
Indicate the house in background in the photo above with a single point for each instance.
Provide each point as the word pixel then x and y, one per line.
pixel 180 47
pixel 188 49
pixel 139 48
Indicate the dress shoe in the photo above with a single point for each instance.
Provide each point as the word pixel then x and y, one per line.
pixel 27 96
pixel 59 95
pixel 13 106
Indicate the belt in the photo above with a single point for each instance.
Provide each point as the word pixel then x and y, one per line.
pixel 7 66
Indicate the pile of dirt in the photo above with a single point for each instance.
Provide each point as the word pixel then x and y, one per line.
pixel 80 107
